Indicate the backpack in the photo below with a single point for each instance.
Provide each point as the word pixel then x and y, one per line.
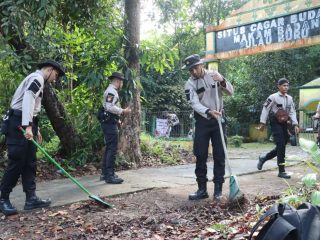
pixel 282 116
pixel 287 223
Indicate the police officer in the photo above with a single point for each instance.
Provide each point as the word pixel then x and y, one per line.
pixel 24 109
pixel 272 106
pixel 109 124
pixel 201 95
pixel 316 117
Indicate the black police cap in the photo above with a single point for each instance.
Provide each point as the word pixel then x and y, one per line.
pixel 117 75
pixel 192 61
pixel 54 64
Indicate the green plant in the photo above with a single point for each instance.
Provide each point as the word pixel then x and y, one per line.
pixel 315 198
pixel 236 140
pixel 310 180
pixel 260 210
pixel 219 227
pixel 51 147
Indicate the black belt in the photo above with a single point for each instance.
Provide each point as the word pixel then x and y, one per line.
pixel 18 113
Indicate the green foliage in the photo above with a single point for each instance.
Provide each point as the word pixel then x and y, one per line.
pixel 158 57
pixel 307 192
pixel 224 229
pixel 315 198
pixel 51 147
pixel 310 180
pixel 293 200
pixel 8 83
pixel 236 141
pixel 167 151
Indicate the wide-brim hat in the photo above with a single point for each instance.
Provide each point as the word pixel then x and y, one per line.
pixel 117 75
pixel 192 61
pixel 54 64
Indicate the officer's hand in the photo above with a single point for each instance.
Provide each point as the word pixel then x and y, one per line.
pixel 317 115
pixel 28 134
pixel 126 111
pixel 261 127
pixel 39 137
pixel 296 129
pixel 217 77
pixel 214 113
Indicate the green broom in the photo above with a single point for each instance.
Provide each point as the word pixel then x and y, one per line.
pixel 94 197
pixel 234 190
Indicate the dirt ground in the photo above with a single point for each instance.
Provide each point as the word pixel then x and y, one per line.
pixel 155 214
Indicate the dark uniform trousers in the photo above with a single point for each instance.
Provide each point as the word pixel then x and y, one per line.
pixel 110 131
pixel 281 137
pixel 204 131
pixel 21 156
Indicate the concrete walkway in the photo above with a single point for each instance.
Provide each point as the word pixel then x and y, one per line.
pixel 63 191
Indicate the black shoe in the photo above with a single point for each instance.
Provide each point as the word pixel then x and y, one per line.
pixel 114 179
pixel 261 161
pixel 284 175
pixel 6 207
pixel 217 191
pixel 103 177
pixel 36 202
pixel 200 194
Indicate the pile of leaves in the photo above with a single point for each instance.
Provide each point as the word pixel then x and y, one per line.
pixel 161 216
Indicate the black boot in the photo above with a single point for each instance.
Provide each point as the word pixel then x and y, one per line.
pixel 113 178
pixel 103 177
pixel 284 175
pixel 201 193
pixel 217 191
pixel 32 202
pixel 262 160
pixel 6 207
pixel 282 172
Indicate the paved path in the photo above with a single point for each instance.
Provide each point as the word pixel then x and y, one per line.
pixel 63 191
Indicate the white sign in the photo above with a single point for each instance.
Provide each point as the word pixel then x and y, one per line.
pixel 161 127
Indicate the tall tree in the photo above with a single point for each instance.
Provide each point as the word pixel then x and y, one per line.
pixel 130 135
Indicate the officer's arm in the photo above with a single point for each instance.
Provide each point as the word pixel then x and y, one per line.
pixel 28 102
pixel 226 87
pixel 266 109
pixel 224 84
pixel 293 114
pixel 318 111
pixel 110 100
pixel 193 100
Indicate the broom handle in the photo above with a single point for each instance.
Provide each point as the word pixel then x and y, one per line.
pixel 221 131
pixel 57 164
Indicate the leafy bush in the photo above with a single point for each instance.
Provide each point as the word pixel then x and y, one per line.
pixel 50 147
pixel 236 140
pixel 168 152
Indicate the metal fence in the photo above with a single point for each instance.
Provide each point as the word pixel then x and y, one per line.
pixel 168 124
pixel 181 125
pixel 309 126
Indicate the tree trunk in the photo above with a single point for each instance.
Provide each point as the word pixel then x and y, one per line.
pixel 129 143
pixel 69 139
